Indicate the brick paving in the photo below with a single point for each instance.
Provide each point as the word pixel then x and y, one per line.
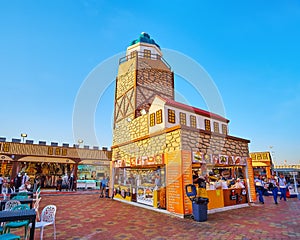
pixel 85 216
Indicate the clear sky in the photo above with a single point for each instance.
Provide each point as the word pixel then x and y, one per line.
pixel 251 49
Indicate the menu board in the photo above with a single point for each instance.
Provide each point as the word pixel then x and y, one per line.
pixel 145 195
pixel 187 179
pixel 174 182
pixel 250 177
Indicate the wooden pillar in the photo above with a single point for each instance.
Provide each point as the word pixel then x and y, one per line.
pixel 75 170
pixel 268 172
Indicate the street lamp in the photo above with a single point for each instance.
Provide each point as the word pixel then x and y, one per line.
pixel 23 135
pixel 80 141
pixel 272 153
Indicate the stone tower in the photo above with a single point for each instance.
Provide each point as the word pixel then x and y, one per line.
pixel 142 74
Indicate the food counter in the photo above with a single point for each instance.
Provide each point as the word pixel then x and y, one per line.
pixel 216 199
pixel 225 197
pixel 85 184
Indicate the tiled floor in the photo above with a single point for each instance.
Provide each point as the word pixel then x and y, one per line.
pixel 85 216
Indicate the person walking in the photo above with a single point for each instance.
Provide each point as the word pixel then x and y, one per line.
pixel 282 186
pixel 259 184
pixel 273 186
pixel 104 183
pixel 1 182
pixel 71 182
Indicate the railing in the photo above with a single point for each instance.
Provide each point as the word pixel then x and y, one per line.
pixel 137 54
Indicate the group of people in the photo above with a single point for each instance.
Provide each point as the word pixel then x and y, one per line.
pixel 216 181
pixel 21 183
pixel 66 182
pixel 274 184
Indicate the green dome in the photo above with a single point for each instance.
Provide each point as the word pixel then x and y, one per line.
pixel 145 38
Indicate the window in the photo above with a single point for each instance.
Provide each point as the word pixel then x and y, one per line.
pixel 171 116
pixel 152 119
pixel 159 116
pixel 207 125
pixel 224 129
pixel 216 127
pixel 147 53
pixel 133 54
pixel 182 118
pixel 193 121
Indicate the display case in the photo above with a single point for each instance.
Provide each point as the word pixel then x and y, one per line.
pixel 123 192
pixel 88 184
pixel 145 194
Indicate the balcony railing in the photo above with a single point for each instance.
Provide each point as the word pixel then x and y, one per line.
pixel 137 54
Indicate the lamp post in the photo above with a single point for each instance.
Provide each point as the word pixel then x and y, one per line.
pixel 23 135
pixel 80 141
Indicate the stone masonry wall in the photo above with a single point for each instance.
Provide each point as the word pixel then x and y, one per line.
pixel 159 81
pixel 156 145
pixel 128 131
pixel 214 144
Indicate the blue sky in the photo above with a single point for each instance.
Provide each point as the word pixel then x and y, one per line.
pixel 250 49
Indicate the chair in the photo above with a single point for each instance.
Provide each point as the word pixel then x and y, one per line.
pixel 10 204
pixel 9 236
pixel 47 218
pixel 21 195
pixel 8 207
pixel 36 207
pixel 37 200
pixel 38 191
pixel 24 194
pixel 18 224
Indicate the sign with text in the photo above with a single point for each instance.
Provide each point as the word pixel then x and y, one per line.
pixel 174 182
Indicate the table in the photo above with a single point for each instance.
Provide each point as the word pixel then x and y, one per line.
pixel 7 216
pixel 22 201
pixel 30 194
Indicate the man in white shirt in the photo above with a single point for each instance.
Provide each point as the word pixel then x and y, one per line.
pixel 259 185
pixel 282 186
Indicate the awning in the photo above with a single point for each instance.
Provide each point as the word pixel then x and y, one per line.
pixel 45 160
pixel 94 162
pixel 286 170
pixel 260 164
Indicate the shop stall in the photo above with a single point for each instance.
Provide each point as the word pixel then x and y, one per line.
pixel 47 171
pixel 261 163
pixel 225 179
pixel 90 173
pixel 140 181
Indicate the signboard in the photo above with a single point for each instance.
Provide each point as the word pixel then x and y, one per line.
pixel 145 195
pixel 174 182
pixel 197 157
pixel 145 160
pixel 187 178
pixel 260 156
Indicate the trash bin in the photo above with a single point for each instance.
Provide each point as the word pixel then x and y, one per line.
pixel 199 205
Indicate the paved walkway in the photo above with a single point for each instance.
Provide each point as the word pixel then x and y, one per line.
pixel 82 216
